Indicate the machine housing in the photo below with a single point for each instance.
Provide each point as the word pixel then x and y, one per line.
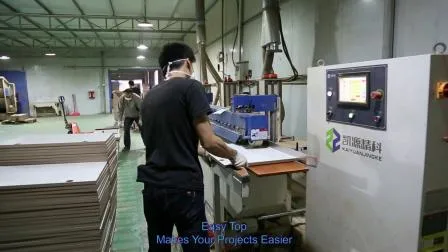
pixel 381 188
pixel 247 120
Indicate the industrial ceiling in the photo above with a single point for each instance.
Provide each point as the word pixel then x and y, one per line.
pixel 87 27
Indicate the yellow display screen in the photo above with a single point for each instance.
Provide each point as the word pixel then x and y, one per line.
pixel 353 89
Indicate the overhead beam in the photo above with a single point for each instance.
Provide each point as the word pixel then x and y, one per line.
pixel 116 23
pixel 176 6
pixel 11 28
pixel 43 6
pixel 88 21
pixel 40 15
pixel 15 40
pixel 104 38
pixel 127 43
pixel 41 28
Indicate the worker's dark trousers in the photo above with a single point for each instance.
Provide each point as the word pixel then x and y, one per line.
pixel 164 208
pixel 127 130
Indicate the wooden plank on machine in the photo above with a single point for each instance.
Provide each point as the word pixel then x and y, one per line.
pixel 278 169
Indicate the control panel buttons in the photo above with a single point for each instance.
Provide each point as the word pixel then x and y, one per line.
pixel 377 119
pixel 329 93
pixel 442 90
pixel 377 95
pixel 351 115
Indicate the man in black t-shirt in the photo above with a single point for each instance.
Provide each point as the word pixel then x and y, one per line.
pixel 175 119
pixel 135 90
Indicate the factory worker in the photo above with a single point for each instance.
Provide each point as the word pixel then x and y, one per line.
pixel 175 118
pixel 129 107
pixel 136 90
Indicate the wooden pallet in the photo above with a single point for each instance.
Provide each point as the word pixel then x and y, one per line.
pixel 28 120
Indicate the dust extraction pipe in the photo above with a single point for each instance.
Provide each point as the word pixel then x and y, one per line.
pixel 200 38
pixel 204 59
pixel 270 33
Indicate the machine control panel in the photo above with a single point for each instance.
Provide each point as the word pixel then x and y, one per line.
pixel 357 96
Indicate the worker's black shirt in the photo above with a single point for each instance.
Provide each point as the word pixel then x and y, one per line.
pixel 136 90
pixel 169 134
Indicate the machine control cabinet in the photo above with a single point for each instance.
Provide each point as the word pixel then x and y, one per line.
pixel 357 96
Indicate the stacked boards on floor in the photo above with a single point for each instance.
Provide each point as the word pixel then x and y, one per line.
pixel 57 149
pixel 59 205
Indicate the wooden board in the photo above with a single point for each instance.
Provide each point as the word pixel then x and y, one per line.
pixel 42 140
pixel 258 156
pixel 58 205
pixel 50 174
pixel 278 169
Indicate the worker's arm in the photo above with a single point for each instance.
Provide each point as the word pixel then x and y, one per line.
pixel 210 142
pixel 199 108
pixel 215 145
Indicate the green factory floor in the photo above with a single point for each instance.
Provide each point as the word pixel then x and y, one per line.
pixel 130 235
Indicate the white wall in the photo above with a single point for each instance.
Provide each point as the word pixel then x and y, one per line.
pixel 337 31
pixel 48 78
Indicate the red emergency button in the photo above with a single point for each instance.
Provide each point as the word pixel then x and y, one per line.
pixel 377 95
pixel 442 90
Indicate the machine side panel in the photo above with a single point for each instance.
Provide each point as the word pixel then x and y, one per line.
pixel 435 221
pixel 368 199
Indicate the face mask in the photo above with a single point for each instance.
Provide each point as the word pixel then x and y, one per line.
pixel 168 72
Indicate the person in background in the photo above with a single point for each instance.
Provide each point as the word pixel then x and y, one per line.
pixel 116 95
pixel 135 88
pixel 175 119
pixel 129 108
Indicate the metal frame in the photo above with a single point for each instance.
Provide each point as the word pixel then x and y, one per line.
pixel 26 23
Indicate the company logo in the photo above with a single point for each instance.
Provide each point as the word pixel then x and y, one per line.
pixel 333 140
pixel 360 146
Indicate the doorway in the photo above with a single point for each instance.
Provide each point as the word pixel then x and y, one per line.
pixel 144 78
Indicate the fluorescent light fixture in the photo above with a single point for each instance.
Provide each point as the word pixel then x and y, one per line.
pixel 141 57
pixel 142 47
pixel 145 25
pixel 50 54
pixel 4 57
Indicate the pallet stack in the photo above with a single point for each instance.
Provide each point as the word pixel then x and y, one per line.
pixel 60 194
pixel 19 119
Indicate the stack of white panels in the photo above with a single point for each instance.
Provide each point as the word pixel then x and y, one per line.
pixel 56 149
pixel 57 207
pixel 58 192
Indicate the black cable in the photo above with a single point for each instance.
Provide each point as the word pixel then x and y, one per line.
pixel 237 30
pixel 285 50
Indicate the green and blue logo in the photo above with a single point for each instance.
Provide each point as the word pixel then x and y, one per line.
pixel 333 140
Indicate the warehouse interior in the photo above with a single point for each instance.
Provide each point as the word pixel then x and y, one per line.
pixel 340 107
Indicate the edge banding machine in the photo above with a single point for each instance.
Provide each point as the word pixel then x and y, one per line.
pixel 261 199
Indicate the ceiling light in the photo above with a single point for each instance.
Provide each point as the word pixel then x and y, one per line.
pixel 142 47
pixel 141 57
pixel 50 54
pixel 145 25
pixel 4 57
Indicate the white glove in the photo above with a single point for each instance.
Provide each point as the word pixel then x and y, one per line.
pixel 239 161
